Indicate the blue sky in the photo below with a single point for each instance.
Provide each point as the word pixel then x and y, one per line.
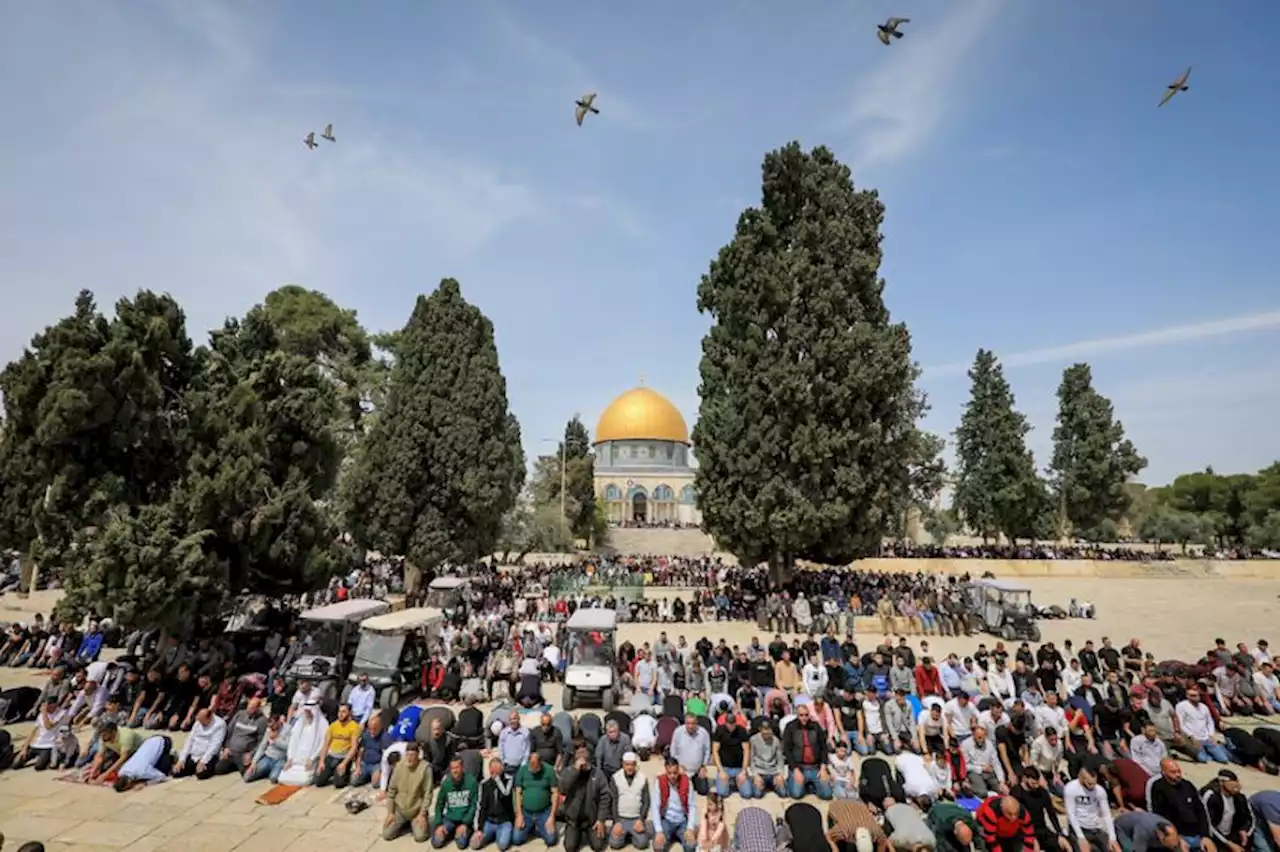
pixel 1038 203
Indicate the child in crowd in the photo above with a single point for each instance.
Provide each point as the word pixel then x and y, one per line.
pixel 843 783
pixel 713 832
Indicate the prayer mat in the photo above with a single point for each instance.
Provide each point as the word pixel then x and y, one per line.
pixel 535 709
pixel 277 794
pixel 435 702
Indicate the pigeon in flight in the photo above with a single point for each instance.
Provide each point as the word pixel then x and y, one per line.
pixel 585 104
pixel 310 141
pixel 1178 85
pixel 889 29
pixel 328 133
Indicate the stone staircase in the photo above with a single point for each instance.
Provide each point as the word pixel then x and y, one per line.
pixel 638 542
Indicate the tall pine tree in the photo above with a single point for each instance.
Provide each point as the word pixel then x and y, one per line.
pixel 1092 459
pixel 443 462
pixel 807 437
pixel 997 489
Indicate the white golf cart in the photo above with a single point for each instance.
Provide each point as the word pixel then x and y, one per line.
pixel 328 642
pixel 446 592
pixel 391 652
pixel 590 643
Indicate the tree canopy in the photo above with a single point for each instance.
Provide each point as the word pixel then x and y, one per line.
pixel 1092 459
pixel 807 437
pixel 997 488
pixel 443 463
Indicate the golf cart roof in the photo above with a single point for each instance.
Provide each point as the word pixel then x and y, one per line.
pixel 449 582
pixel 404 620
pixel 356 609
pixel 592 619
pixel 1001 585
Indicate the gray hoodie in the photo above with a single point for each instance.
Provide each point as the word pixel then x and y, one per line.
pixel 767 758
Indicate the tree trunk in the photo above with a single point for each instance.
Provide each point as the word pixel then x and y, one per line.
pixel 412 579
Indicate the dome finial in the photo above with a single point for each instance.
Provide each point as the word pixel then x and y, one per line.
pixel 642 380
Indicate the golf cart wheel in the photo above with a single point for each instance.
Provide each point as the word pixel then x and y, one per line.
pixel 346 693
pixel 329 690
pixel 1008 631
pixel 1033 633
pixel 389 698
pixel 606 701
pixel 567 698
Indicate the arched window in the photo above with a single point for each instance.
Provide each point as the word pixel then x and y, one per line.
pixel 686 495
pixel 612 493
pixel 664 494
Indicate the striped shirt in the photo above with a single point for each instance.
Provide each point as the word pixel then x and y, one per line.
pixel 997 827
pixel 846 816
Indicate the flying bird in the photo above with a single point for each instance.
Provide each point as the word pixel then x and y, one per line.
pixel 585 105
pixel 1178 85
pixel 328 133
pixel 889 29
pixel 310 141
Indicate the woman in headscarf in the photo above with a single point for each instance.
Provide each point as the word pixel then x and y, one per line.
pixel 305 744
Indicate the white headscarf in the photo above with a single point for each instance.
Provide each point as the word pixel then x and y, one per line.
pixel 308 735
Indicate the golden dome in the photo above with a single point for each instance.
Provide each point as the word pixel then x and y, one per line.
pixel 644 415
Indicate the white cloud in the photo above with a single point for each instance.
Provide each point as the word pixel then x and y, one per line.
pixel 1089 349
pixel 897 107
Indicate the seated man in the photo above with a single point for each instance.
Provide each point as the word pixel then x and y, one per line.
pixel 273 750
pixel 199 754
pixel 337 757
pixel 43 739
pixel 408 796
pixel 496 815
pixel 306 739
pixel 673 809
pixel 373 743
pixel 456 804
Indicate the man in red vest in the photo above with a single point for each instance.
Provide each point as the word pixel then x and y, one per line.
pixel 674 810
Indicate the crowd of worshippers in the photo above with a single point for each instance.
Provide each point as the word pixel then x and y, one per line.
pixel 1100 552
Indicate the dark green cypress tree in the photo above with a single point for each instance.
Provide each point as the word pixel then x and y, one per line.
pixel 807 439
pixel 997 489
pixel 1092 459
pixel 443 462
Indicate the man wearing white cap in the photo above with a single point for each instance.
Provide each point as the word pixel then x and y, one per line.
pixel 631 804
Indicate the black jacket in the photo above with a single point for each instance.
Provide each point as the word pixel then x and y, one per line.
pixel 1241 821
pixel 1180 804
pixel 793 743
pixel 587 797
pixel 496 802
